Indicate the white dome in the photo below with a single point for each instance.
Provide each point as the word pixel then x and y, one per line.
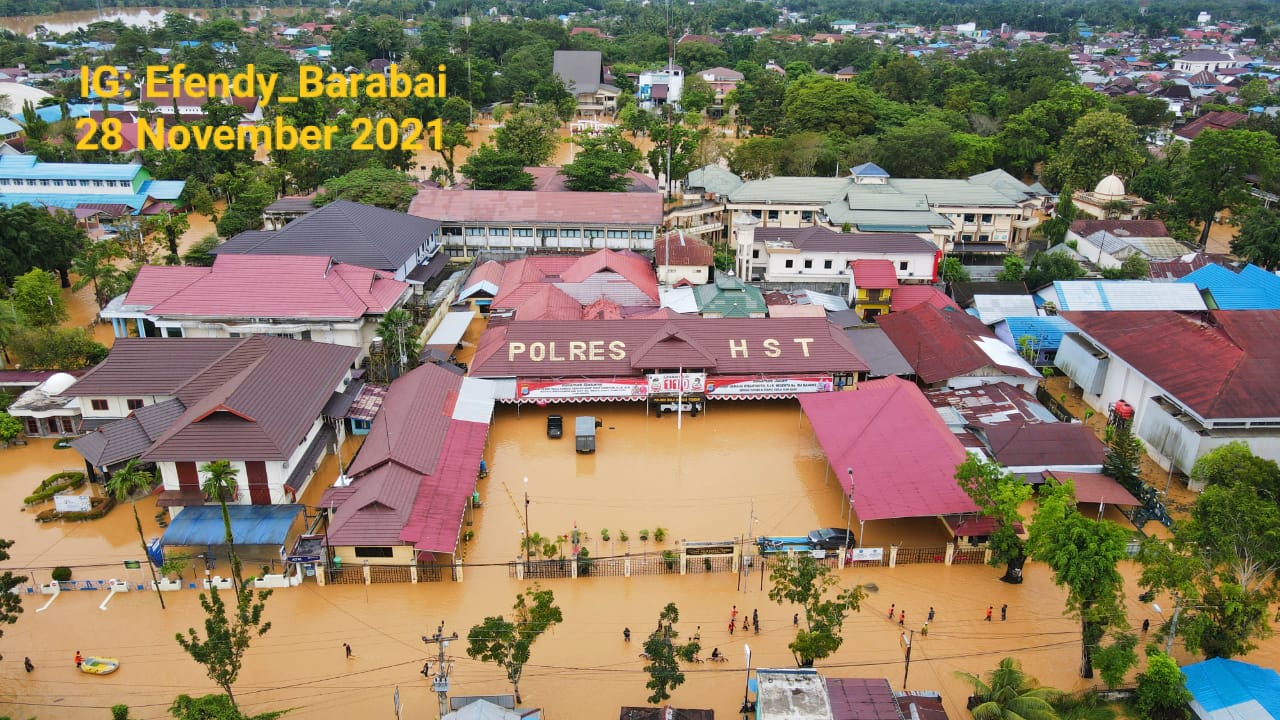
pixel 1110 187
pixel 58 383
pixel 18 94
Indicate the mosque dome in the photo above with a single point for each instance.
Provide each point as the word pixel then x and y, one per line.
pixel 1110 187
pixel 58 383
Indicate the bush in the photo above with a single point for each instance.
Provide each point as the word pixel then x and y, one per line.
pixel 644 535
pixel 584 562
pixel 53 485
pixel 61 573
pixel 670 558
pixel 659 534
pixel 99 507
pixel 623 536
pixel 604 534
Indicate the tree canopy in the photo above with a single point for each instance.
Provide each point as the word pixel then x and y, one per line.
pixel 508 643
pixel 379 187
pixel 802 580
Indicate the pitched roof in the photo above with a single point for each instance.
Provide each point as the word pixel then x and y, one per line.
pixel 151 366
pixel 622 277
pixel 820 238
pixel 963 292
pixel 874 274
pixel 1221 364
pixel 991 309
pixel 535 207
pixel 902 454
pixel 348 232
pixel 676 248
pixel 862 699
pixel 130 437
pixel 1047 330
pixel 730 297
pixel 485 278
pixel 1126 295
pixel 879 352
pixel 1131 228
pixel 1213 120
pixel 598 348
pixel 271 286
pixel 1250 289
pixel 1224 689
pixel 944 343
pixel 1094 487
pixel 713 178
pixel 1040 444
pixel 409 429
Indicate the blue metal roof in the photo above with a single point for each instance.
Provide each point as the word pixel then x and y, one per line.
pixel 250 525
pixel 1219 685
pixel 1047 329
pixel 1251 289
pixel 30 168
pixel 8 127
pixel 869 169
pixel 70 200
pixel 163 189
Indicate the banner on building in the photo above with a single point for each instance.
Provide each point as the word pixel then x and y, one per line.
pixel 767 387
pixel 581 390
pixel 676 383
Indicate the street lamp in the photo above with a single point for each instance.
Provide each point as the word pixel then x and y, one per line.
pixel 848 521
pixel 748 707
pixel 526 522
pixel 1178 607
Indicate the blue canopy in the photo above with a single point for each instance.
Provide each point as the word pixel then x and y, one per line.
pixel 250 525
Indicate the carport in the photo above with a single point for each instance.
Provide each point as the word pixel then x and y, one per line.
pixel 259 531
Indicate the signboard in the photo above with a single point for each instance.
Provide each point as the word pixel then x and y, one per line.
pixel 583 390
pixel 132 564
pixel 676 383
pixel 303 558
pixel 722 385
pixel 72 503
pixel 861 554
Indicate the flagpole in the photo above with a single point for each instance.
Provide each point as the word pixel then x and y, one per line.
pixel 680 400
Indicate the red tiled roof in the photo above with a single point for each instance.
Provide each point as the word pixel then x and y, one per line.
pixel 548 179
pixel 874 274
pixel 1039 445
pixel 533 207
pixel 1214 120
pixel 276 286
pixel 633 268
pixel 676 248
pixel 566 348
pixel 547 302
pixel 409 429
pixel 623 277
pixel 861 699
pixel 442 499
pixel 902 454
pixel 490 272
pixel 905 297
pixel 1095 488
pixel 1220 364
pixel 1129 228
pixel 942 343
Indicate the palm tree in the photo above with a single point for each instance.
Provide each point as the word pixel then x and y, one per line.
pixel 1010 694
pixel 96 265
pixel 220 484
pixel 125 484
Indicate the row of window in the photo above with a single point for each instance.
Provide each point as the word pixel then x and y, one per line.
pixel 972 217
pixel 805 215
pixel 20 182
pixel 826 264
pixel 553 232
pixel 101 405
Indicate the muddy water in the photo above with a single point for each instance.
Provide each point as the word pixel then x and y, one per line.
pixel 698 481
pixel 484 133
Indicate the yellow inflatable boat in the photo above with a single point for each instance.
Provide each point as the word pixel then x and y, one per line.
pixel 99 665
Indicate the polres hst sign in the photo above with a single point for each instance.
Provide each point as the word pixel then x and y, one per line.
pixel 675 383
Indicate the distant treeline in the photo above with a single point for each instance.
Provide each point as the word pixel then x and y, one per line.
pixel 47 7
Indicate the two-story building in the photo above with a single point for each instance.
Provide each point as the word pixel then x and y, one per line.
pixel 25 179
pixel 722 81
pixel 817 254
pixel 660 87
pixel 179 403
pixel 583 76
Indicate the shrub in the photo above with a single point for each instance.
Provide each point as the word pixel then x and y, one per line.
pixel 53 485
pixel 659 534
pixel 99 507
pixel 623 536
pixel 644 535
pixel 61 573
pixel 604 534
pixel 670 558
pixel 584 562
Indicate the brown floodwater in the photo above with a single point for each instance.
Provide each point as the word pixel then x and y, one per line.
pixel 701 481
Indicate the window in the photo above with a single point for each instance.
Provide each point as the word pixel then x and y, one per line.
pixel 826 264
pixel 497 232
pixel 57 183
pixel 99 405
pixel 642 234
pixel 475 231
pixel 84 183
pixel 790 264
pixel 304 335
pixel 97 183
pixel 902 265
pixel 544 233
pixel 571 233
pixel 132 403
pixel 373 552
pixel 773 214
pixel 984 238
pixel 755 254
pixel 967 237
pixel 618 234
pixel 806 215
pixel 594 232
pixel 986 218
pixel 808 264
pixel 522 232
pixel 44 183
pixel 173 332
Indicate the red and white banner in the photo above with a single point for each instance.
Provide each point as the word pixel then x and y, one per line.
pixel 767 387
pixel 675 383
pixel 581 390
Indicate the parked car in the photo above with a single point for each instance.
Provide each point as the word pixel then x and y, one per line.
pixel 832 539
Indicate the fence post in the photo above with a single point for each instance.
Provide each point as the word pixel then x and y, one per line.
pixel 840 560
pixel 519 569
pixel 413 574
pixel 986 556
pixel 684 562
pixel 573 566
pixel 457 570
pixel 737 556
pixel 893 556
pixel 368 577
pixel 626 566
pixel 951 552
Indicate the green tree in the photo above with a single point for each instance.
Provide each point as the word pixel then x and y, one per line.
pixel 38 296
pixel 507 643
pixel 1234 463
pixel 56 348
pixel 602 163
pixel 683 142
pixel 213 707
pixel 10 601
pixel 491 169
pixel 379 187
pixel 923 148
pixel 124 485
pixel 96 265
pixel 1010 694
pixel 999 494
pixel 802 580
pixel 759 99
pixel 220 485
pixel 756 158
pixel 1254 92
pixel 1083 554
pixel 401 338
pixel 10 427
pixel 1124 458
pixel 664 655
pixel 171 225
pixel 1049 266
pixel 1212 173
pixel 1098 144
pixel 1014 268
pixel 822 104
pixel 952 270
pixel 530 133
pixel 452 137
pixel 1162 690
pixel 201 252
pixel 697 95
pixel 1259 239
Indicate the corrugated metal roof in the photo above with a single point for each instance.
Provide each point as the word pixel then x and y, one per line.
pixel 1250 289
pixel 676 248
pixel 643 209
pixel 903 455
pixel 994 308
pixel 1041 445
pixel 409 430
pixel 1046 329
pixel 203 526
pixel 1126 295
pixel 713 179
pixel 130 437
pixel 1095 487
pixel 953 192
pixel 879 352
pixel 905 297
pixel 30 167
pixel 820 238
pixel 436 519
pixel 151 366
pixel 1233 690
pixel 862 699
pixel 874 275
pixel 729 297
pixel 946 343
pixel 781 189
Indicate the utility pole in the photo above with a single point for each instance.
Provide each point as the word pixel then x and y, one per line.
pixel 906 640
pixel 440 683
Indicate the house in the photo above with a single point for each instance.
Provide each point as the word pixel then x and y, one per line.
pixel 25 179
pixel 681 258
pixel 1120 295
pixel 583 75
pixel 178 103
pixel 964 292
pixel 877 350
pixel 402 499
pixel 1108 243
pixel 1204 60
pixel 1109 201
pixel 1033 447
pixel 729 297
pixel 360 235
pixel 817 254
pixel 661 86
pixel 844 26
pixel 566 287
pixel 481 286
pixel 1035 337
pixel 871 287
pixel 1212 120
pixel 1251 288
pixel 1222 688
pixel 950 348
pixel 846 74
pixel 1196 381
pixel 306 297
pixel 45 411
pixel 257 402
pixel 722 81
pixel 791 695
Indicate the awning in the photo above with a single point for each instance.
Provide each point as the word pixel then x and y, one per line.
pixel 179 498
pixel 250 525
pixel 340 402
pixel 450 330
pixel 426 272
pixel 1095 488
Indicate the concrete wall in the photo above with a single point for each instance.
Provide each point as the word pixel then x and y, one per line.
pixel 116 405
pixel 400 555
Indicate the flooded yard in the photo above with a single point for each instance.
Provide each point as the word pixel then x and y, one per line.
pixel 702 481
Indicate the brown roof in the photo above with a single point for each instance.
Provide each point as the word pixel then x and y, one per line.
pixel 597 348
pixel 258 403
pixel 533 207
pixel 151 366
pixel 130 437
pixel 1215 120
pixel 1125 228
pixel 1220 364
pixel 941 343
pixel 676 248
pixel 409 429
pixel 928 707
pixel 862 699
pixel 1043 445
pixel 549 179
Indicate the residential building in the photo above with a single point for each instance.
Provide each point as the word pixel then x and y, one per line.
pixel 1032 447
pixel 402 499
pixel 1109 201
pixel 949 348
pixel 1212 120
pixel 481 286
pixel 605 284
pixel 176 103
pixel 583 75
pixel 991 309
pixel 661 86
pixel 45 411
pixel 512 222
pixel 704 202
pixel 1198 61
pixel 1108 243
pixel 1223 288
pixel 1196 381
pixel 871 286
pixel 680 258
pixel 257 402
pixel 25 179
pixel 791 695
pixel 306 297
pixel 722 81
pixel 360 235
pixel 1120 295
pixel 1035 337
pixel 818 254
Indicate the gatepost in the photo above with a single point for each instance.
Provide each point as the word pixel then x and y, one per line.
pixel 457 570
pixel 413 574
pixel 893 556
pixel 368 577
pixel 321 572
pixel 951 552
pixel 519 568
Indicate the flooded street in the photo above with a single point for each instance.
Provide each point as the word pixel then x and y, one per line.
pixel 700 482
